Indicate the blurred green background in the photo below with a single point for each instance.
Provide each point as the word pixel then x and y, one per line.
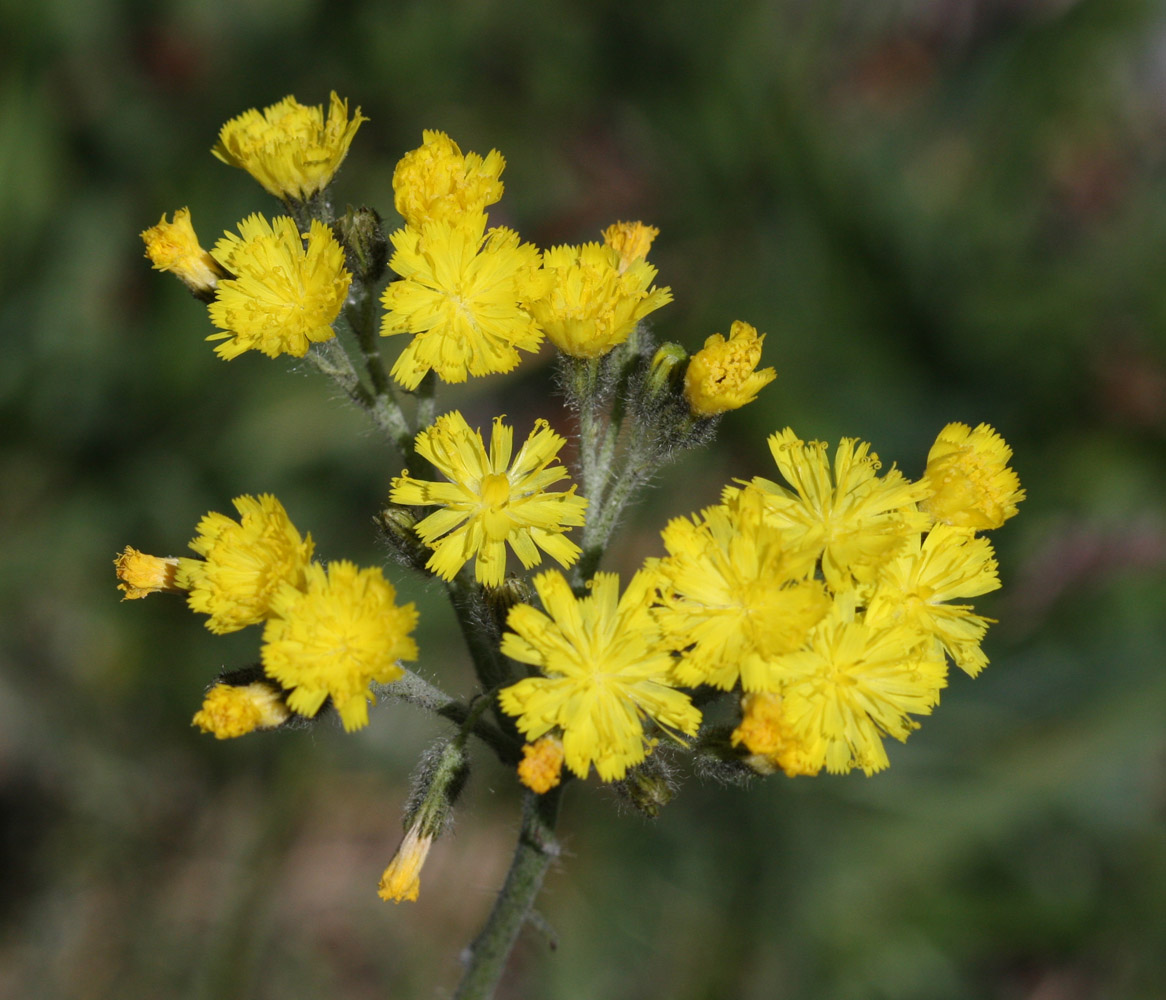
pixel 937 210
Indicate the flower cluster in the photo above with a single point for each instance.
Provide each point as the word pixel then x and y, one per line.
pixel 328 631
pixel 822 606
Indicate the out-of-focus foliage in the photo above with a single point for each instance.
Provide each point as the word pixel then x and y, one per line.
pixel 937 210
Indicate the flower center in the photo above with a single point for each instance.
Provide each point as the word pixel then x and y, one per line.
pixel 495 490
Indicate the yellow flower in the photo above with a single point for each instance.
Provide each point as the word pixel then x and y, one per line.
pixel 915 585
pixel 631 240
pixel 244 562
pixel 491 500
pixel 541 767
pixel 461 295
pixel 174 247
pixel 231 710
pixel 606 673
pixel 335 636
pixel 765 732
pixel 852 684
pixel 402 879
pixel 590 304
pixel 722 375
pixel 853 517
pixel 436 183
pixel 736 592
pixel 289 148
pixel 142 574
pixel 284 296
pixel 969 480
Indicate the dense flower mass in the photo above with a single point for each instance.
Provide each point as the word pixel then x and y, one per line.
pixel 461 295
pixel 736 591
pixel 606 675
pixel 335 636
pixel 812 616
pixel 593 300
pixel 848 513
pixel 436 183
pixel 285 293
pixel 491 500
pixel 290 149
pixel 243 563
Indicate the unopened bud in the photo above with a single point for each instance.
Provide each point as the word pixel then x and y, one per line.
pixel 397 524
pixel 666 374
pixel 437 782
pixel 366 251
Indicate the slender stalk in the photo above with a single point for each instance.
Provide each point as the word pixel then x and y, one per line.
pixel 415 690
pixel 537 848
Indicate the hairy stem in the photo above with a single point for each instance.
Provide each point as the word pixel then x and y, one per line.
pixel 537 848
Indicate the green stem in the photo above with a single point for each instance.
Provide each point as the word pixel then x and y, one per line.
pixel 362 317
pixel 415 690
pixel 537 848
pixel 481 633
pixel 332 360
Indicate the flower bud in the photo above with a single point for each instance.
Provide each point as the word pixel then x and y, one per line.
pixel 366 250
pixel 437 783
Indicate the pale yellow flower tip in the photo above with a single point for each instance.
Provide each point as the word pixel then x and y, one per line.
pixel 631 240
pixel 402 879
pixel 289 148
pixel 722 375
pixel 230 710
pixel 436 183
pixel 143 574
pixel 589 304
pixel 174 247
pixel 541 767
pixel 969 478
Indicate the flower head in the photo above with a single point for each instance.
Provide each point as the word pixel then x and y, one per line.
pixel 491 500
pixel 461 296
pixel 290 149
pixel 231 710
pixel 852 684
pixel 436 183
pixel 631 240
pixel 969 480
pixel 592 301
pixel 765 731
pixel 606 673
pixel 141 574
pixel 722 375
pixel 284 295
pixel 334 636
pixel 541 767
pixel 174 247
pixel 243 563
pixel 736 591
pixel 853 516
pixel 916 585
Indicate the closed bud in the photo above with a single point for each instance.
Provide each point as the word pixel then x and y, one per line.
pixel 666 374
pixel 366 250
pixel 397 524
pixel 437 782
